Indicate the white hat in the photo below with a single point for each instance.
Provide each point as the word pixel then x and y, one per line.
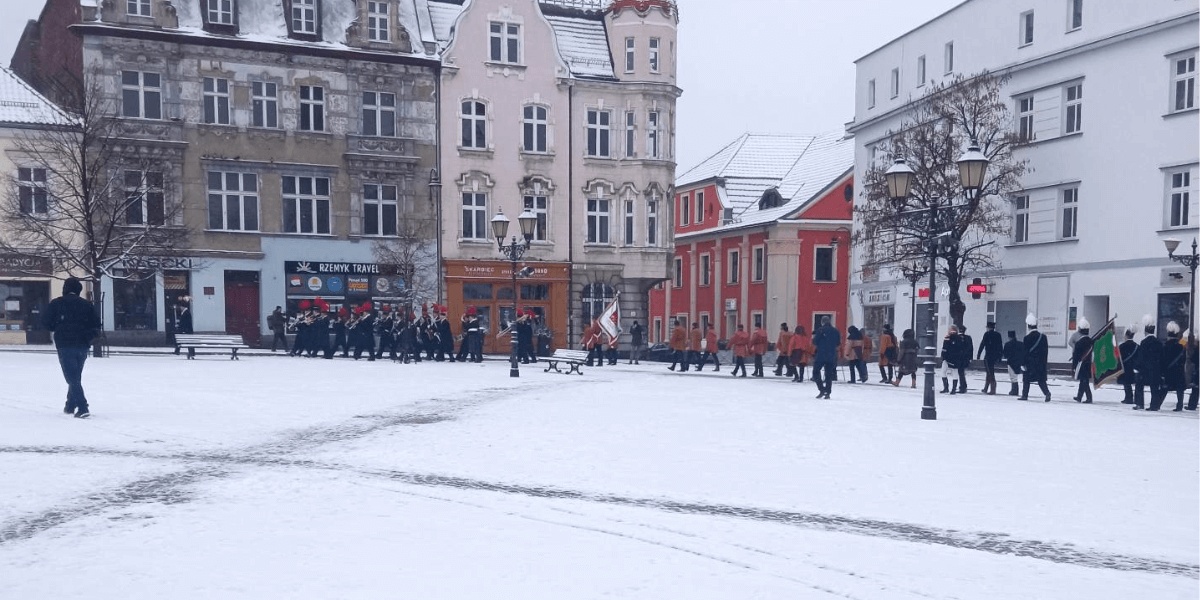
pixel 1083 324
pixel 1031 320
pixel 1172 327
pixel 1148 323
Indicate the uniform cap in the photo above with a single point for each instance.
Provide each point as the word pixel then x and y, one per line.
pixel 387 308
pixel 1172 327
pixel 1083 324
pixel 304 304
pixel 1031 320
pixel 471 311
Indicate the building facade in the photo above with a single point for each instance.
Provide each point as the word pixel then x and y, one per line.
pixel 1103 93
pixel 762 232
pixel 566 109
pixel 295 134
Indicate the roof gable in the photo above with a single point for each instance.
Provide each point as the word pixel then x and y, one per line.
pixel 21 104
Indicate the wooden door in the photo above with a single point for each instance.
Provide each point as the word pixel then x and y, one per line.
pixel 242 306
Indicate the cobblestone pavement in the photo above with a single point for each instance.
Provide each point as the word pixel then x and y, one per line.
pixel 181 485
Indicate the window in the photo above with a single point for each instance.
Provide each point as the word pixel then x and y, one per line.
pixel 921 70
pixel 312 108
pixel 31 191
pixel 677 273
pixel 304 17
pixel 871 94
pixel 505 42
pixel 760 264
pixel 823 264
pixel 597 132
pixel 1076 17
pixel 534 125
pixel 144 198
pixel 630 129
pixel 818 317
pixel 1026 28
pixel 735 267
pixel 380 213
pixel 705 322
pixel 656 333
pixel 220 12
pixel 1021 219
pixel 948 57
pixel 1179 194
pixel 216 100
pixel 474 213
pixel 474 124
pixel 895 89
pixel 1074 120
pixel 1025 119
pixel 141 95
pixel 685 210
pixel 629 215
pixel 596 297
pixel 232 201
pixel 654 43
pixel 306 204
pixel 140 8
pixel 630 45
pixel 597 221
pixel 265 104
pixel 756 319
pixel 652 222
pixel 378 22
pixel 653 136
pixel 705 270
pixel 539 206
pixel 1183 81
pixel 1070 213
pixel 699 207
pixel 379 114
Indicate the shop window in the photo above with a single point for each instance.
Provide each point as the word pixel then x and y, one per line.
pixel 477 291
pixel 535 292
pixel 134 302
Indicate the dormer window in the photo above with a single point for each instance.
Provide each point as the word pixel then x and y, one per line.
pixel 138 8
pixel 304 17
pixel 770 199
pixel 220 16
pixel 378 22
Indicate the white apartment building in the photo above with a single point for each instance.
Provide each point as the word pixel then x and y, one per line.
pixel 1105 91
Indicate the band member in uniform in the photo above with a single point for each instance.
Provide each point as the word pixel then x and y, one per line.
pixel 365 329
pixel 695 339
pixel 1128 352
pixel 475 334
pixel 1037 352
pixel 301 324
pixel 384 325
pixel 758 346
pixel 991 347
pixel 1174 378
pixel 409 349
pixel 740 343
pixel 782 343
pixel 799 353
pixel 1081 362
pixel 445 335
pixel 710 350
pixel 338 325
pixel 321 330
pixel 525 338
pixel 1014 357
pixel 679 342
pixel 593 342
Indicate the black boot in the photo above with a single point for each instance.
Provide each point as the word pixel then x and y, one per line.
pixel 1014 391
pixel 946 385
pixel 954 387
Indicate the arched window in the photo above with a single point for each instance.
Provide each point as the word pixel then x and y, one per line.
pixel 534 119
pixel 474 124
pixel 596 297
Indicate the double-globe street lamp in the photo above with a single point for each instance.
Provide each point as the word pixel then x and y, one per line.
pixel 936 238
pixel 1190 261
pixel 514 251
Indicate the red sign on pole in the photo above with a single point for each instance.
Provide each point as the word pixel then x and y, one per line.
pixel 923 293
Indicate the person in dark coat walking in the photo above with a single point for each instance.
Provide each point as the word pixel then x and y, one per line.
pixel 1014 358
pixel 957 355
pixel 1037 352
pixel 1128 377
pixel 183 321
pixel 908 358
pixel 365 331
pixel 276 322
pixel 1193 367
pixel 991 348
pixel 1149 367
pixel 855 355
pixel 525 338
pixel 826 339
pixel 636 341
pixel 1174 379
pixel 74 323
pixel 969 346
pixel 1081 362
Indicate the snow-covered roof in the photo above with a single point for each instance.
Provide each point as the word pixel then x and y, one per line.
pixel 443 15
pixel 20 104
pixel 755 155
pixel 583 44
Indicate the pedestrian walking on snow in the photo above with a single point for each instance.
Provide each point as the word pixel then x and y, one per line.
pixel 679 341
pixel 826 340
pixel 1174 378
pixel 887 355
pixel 740 343
pixel 1014 357
pixel 1149 367
pixel 1128 351
pixel 758 346
pixel 908 358
pixel 74 323
pixel 1037 352
pixel 991 348
pixel 636 341
pixel 1081 362
pixel 782 343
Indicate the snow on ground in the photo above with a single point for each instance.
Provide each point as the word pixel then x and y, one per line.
pixel 305 478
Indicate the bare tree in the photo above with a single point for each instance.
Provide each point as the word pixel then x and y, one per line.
pixel 92 201
pixel 412 255
pixel 935 131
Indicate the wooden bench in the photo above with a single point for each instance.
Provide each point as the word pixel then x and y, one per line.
pixel 191 341
pixel 573 358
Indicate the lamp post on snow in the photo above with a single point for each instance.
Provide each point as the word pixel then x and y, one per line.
pixel 899 178
pixel 514 251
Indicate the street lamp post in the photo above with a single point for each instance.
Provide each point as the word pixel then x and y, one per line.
pixel 1190 261
pixel 435 198
pixel 913 272
pixel 514 251
pixel 899 179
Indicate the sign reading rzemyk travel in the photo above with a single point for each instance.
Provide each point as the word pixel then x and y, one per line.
pixel 339 268
pixel 334 280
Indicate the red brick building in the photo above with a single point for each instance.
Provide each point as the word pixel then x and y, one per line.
pixel 762 236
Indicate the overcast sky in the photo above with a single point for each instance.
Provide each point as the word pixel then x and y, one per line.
pixel 766 66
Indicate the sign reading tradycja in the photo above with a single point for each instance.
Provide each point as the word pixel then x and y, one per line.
pixel 15 265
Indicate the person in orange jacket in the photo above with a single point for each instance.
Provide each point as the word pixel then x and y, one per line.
pixel 782 345
pixel 887 354
pixel 594 344
pixel 679 342
pixel 799 351
pixel 758 345
pixel 710 349
pixel 740 342
pixel 694 340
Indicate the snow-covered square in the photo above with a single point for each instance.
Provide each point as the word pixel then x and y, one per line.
pixel 276 477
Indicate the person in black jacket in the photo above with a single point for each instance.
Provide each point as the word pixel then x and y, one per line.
pixel 1193 368
pixel 74 323
pixel 364 331
pixel 957 355
pixel 276 322
pixel 1128 377
pixel 969 346
pixel 1174 379
pixel 991 347
pixel 1081 362
pixel 1014 357
pixel 1037 352
pixel 635 343
pixel 1149 367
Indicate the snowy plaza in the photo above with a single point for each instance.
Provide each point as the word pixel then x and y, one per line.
pixel 304 478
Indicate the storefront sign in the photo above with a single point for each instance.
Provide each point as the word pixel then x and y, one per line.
pixel 878 297
pixel 157 263
pixel 543 271
pixel 14 265
pixel 303 267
